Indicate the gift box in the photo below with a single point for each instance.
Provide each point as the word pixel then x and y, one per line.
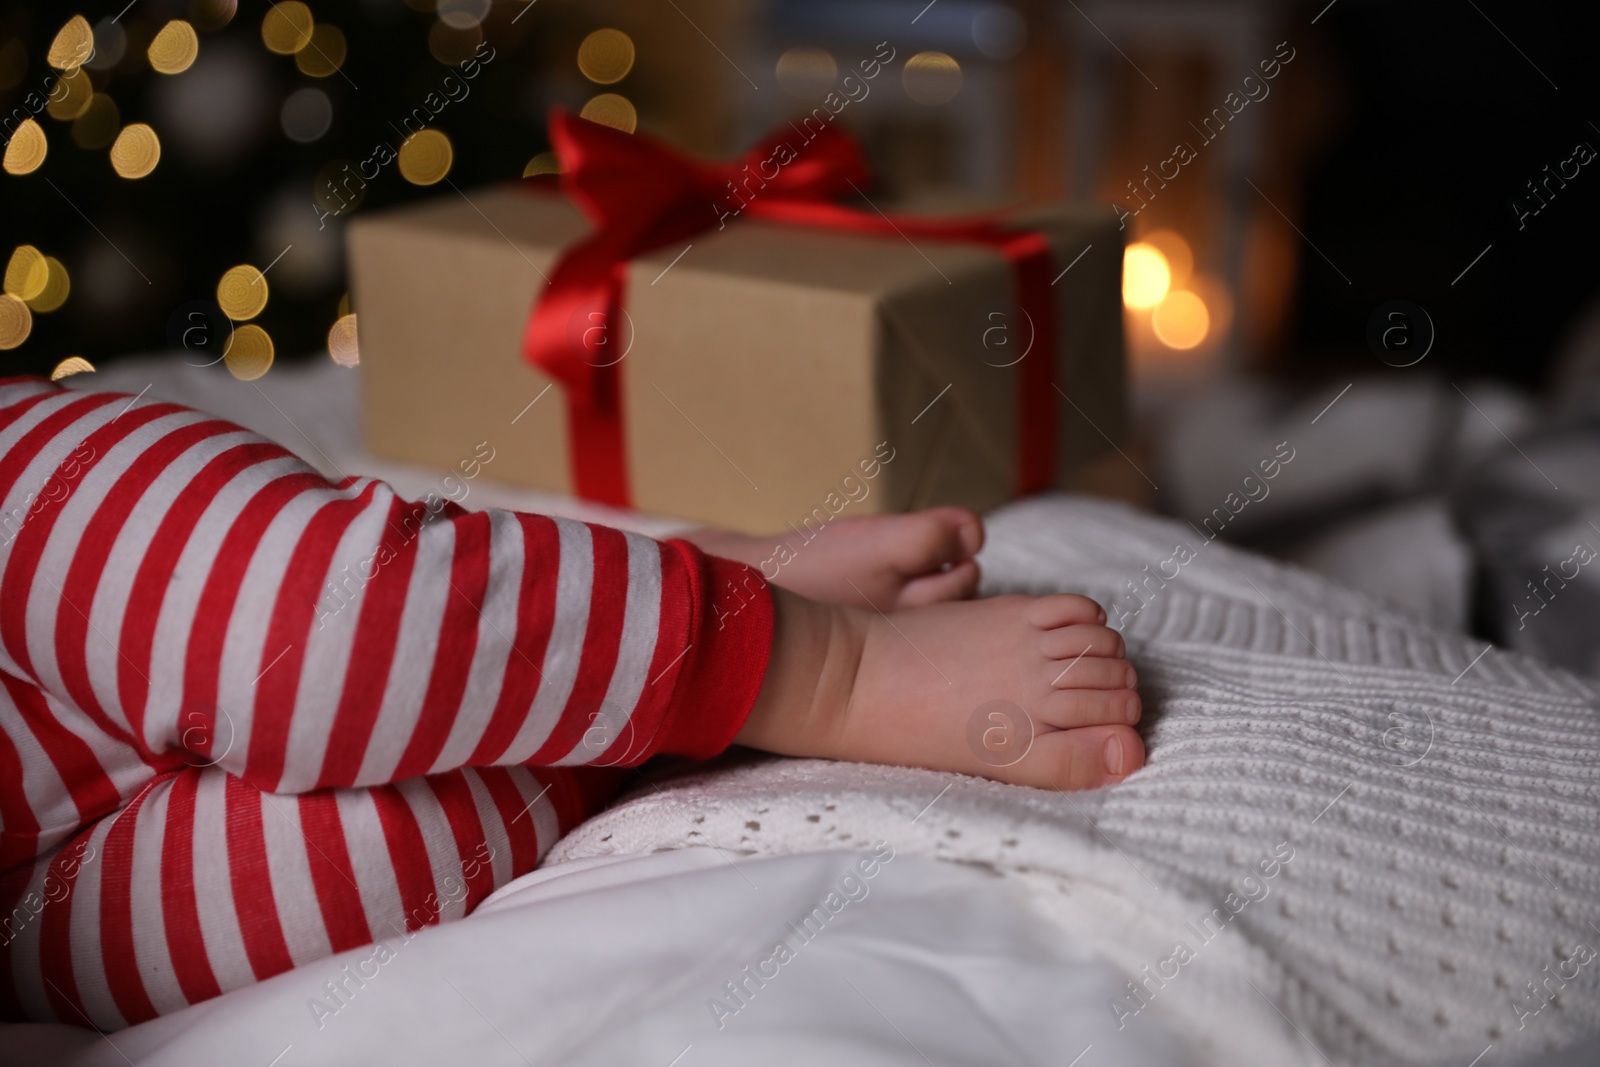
pixel 750 372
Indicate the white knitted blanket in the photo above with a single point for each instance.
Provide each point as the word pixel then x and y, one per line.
pixel 1439 805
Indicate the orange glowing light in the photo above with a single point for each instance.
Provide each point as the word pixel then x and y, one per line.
pixel 1180 257
pixel 1146 277
pixel 1181 320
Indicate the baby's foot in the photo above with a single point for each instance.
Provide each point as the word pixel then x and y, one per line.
pixel 893 561
pixel 902 688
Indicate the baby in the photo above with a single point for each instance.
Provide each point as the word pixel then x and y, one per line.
pixel 208 776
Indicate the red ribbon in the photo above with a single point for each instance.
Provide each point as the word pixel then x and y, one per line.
pixel 642 195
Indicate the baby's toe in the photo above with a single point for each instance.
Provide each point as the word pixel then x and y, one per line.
pixel 1067 709
pixel 960 582
pixel 1063 609
pixel 939 537
pixel 967 525
pixel 1067 642
pixel 1091 672
pixel 1080 759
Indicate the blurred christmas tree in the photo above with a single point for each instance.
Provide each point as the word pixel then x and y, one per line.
pixel 179 169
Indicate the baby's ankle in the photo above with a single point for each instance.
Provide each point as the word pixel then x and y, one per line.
pixel 802 705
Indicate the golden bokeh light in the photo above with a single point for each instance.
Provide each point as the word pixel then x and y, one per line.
pixel 287 27
pixel 249 353
pixel 606 56
pixel 242 292
pixel 70 366
pixel 99 123
pixel 16 321
pixel 806 73
pixel 26 149
pixel 425 157
pixel 451 44
pixel 1180 257
pixel 75 93
pixel 324 54
pixel 342 344
pixel 543 163
pixel 136 151
pixel 27 273
pixel 57 287
pixel 73 45
pixel 1181 320
pixel 610 109
pixel 1145 276
pixel 931 78
pixel 174 49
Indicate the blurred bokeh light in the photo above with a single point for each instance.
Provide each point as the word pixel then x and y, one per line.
pixel 72 46
pixel 611 109
pixel 1146 277
pixel 136 151
pixel 425 157
pixel 242 293
pixel 1181 320
pixel 807 73
pixel 174 49
pixel 249 353
pixel 70 366
pixel 606 56
pixel 342 344
pixel 16 322
pixel 324 53
pixel 286 27
pixel 932 78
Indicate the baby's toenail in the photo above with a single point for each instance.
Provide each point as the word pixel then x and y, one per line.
pixel 1114 755
pixel 971 538
pixel 1102 615
pixel 1133 709
pixel 1132 678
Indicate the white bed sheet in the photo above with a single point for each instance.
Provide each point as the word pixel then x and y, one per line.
pixel 610 962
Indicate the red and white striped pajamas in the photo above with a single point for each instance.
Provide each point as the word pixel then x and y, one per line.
pixel 250 718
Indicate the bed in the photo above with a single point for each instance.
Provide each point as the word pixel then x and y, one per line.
pixel 1359 839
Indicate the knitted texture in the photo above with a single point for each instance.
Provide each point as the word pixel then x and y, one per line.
pixel 1439 805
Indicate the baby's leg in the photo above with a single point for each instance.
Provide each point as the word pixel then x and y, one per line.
pixel 204 884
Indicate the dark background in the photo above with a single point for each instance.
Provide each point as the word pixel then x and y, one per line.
pixel 1430 123
pixel 1447 123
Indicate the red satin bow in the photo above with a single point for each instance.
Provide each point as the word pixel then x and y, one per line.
pixel 642 195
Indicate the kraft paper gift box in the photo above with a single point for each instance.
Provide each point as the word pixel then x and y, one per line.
pixel 771 375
